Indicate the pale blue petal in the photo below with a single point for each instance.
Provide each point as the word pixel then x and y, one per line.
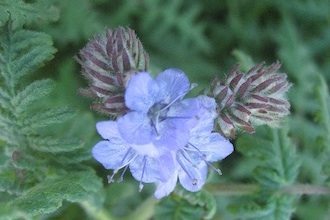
pixel 192 176
pixel 165 188
pixel 109 130
pixel 206 113
pixel 214 147
pixel 173 83
pixel 135 128
pixel 112 156
pixel 153 169
pixel 173 134
pixel 141 92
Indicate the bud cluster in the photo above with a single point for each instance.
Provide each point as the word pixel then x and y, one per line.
pixel 256 97
pixel 108 61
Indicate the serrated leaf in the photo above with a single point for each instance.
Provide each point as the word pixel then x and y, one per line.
pixel 48 117
pixel 186 205
pixel 32 60
pixel 249 210
pixel 54 145
pixel 23 51
pixel 277 160
pixel 22 12
pixel 32 93
pixel 4 98
pixel 273 207
pixel 48 196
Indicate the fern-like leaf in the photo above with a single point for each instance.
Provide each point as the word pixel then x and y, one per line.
pixel 175 18
pixel 34 159
pixel 48 196
pixel 277 160
pixel 31 94
pixel 277 166
pixel 22 12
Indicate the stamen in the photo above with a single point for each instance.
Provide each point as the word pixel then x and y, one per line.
pixel 130 160
pixel 194 180
pixel 122 175
pixel 180 96
pixel 144 161
pixel 110 178
pixel 207 162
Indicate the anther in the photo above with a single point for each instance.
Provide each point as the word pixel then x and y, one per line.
pixel 110 178
pixel 122 175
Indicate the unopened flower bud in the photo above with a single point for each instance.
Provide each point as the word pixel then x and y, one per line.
pixel 253 98
pixel 108 61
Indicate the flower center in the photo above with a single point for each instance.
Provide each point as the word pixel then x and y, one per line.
pixel 157 113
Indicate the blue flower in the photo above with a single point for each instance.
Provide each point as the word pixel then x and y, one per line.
pixel 163 137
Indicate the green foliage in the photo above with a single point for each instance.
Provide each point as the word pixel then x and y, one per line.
pixel 75 23
pixel 276 167
pixel 22 12
pixel 323 117
pixel 47 196
pixel 45 159
pixel 185 205
pixel 278 163
pixel 277 207
pixel 32 158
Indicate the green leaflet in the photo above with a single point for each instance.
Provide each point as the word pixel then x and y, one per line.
pixel 22 12
pixel 169 16
pixel 276 166
pixel 277 160
pixel 187 205
pixel 53 145
pixel 47 117
pixel 64 32
pixel 32 93
pixel 48 196
pixel 276 207
pixel 33 159
pixel 20 59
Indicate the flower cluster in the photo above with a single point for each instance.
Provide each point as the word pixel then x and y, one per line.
pixel 253 98
pixel 108 61
pixel 163 137
pixel 159 135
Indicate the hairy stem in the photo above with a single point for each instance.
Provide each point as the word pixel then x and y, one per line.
pixel 246 189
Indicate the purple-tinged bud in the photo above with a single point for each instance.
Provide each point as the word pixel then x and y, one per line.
pixel 108 61
pixel 248 99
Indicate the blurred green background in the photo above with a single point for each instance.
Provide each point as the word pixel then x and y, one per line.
pixel 204 39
